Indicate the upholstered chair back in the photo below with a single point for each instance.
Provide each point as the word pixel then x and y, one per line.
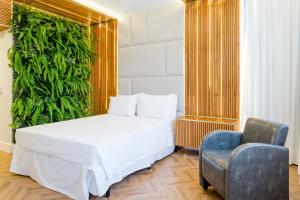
pixel 262 131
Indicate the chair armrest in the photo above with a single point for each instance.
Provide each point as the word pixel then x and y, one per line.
pixel 220 140
pixel 256 168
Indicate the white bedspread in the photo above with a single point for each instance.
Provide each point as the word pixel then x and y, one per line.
pixel 113 142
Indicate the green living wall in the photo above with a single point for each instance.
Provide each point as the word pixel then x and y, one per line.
pixel 50 61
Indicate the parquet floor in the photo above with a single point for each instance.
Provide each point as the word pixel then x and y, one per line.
pixel 173 178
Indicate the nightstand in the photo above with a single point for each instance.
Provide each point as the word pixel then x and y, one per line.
pixel 190 131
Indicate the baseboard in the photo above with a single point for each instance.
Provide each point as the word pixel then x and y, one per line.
pixel 6 147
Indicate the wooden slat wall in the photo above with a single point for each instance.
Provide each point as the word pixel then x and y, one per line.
pixel 211 70
pixel 5 14
pixel 212 58
pixel 189 133
pixel 104 69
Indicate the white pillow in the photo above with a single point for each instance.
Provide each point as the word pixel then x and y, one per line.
pixel 123 105
pixel 157 106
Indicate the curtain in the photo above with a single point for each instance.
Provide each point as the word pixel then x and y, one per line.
pixel 270 67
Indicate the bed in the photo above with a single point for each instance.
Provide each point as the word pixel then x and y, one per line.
pixel 88 155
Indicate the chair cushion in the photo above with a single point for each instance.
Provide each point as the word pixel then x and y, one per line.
pixel 213 167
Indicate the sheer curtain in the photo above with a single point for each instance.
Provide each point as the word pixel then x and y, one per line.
pixel 270 67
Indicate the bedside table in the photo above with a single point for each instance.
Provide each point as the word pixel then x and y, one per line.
pixel 190 131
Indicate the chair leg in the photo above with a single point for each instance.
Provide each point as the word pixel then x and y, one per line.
pixel 205 186
pixel 107 194
pixel 204 183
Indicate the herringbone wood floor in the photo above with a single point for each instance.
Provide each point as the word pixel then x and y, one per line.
pixel 175 177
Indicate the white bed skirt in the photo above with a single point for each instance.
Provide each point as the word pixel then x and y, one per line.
pixel 72 179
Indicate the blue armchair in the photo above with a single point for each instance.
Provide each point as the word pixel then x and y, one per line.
pixel 253 164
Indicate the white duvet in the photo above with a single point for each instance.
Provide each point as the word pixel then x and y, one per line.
pixel 113 142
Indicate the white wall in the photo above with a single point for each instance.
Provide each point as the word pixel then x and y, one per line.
pixel 151 51
pixel 6 42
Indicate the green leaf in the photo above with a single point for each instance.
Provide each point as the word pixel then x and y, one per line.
pixel 36 115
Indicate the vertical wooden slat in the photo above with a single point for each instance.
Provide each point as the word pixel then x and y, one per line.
pixel 104 68
pixel 212 58
pixel 5 14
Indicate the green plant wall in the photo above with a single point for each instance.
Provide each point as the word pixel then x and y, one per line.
pixel 50 61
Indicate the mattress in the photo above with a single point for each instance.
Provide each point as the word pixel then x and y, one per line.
pixel 108 142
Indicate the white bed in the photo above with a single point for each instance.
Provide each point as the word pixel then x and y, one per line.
pixel 87 155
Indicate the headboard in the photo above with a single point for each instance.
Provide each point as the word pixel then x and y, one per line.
pixel 151 52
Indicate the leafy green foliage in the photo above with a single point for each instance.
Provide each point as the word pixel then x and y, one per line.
pixel 50 61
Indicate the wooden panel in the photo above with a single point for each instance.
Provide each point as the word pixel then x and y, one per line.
pixel 5 14
pixel 69 9
pixel 212 58
pixel 190 131
pixel 104 69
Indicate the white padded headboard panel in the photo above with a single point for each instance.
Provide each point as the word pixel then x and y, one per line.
pixel 151 53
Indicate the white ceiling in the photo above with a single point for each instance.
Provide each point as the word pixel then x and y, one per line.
pixel 119 8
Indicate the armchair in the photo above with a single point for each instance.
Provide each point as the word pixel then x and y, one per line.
pixel 253 164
